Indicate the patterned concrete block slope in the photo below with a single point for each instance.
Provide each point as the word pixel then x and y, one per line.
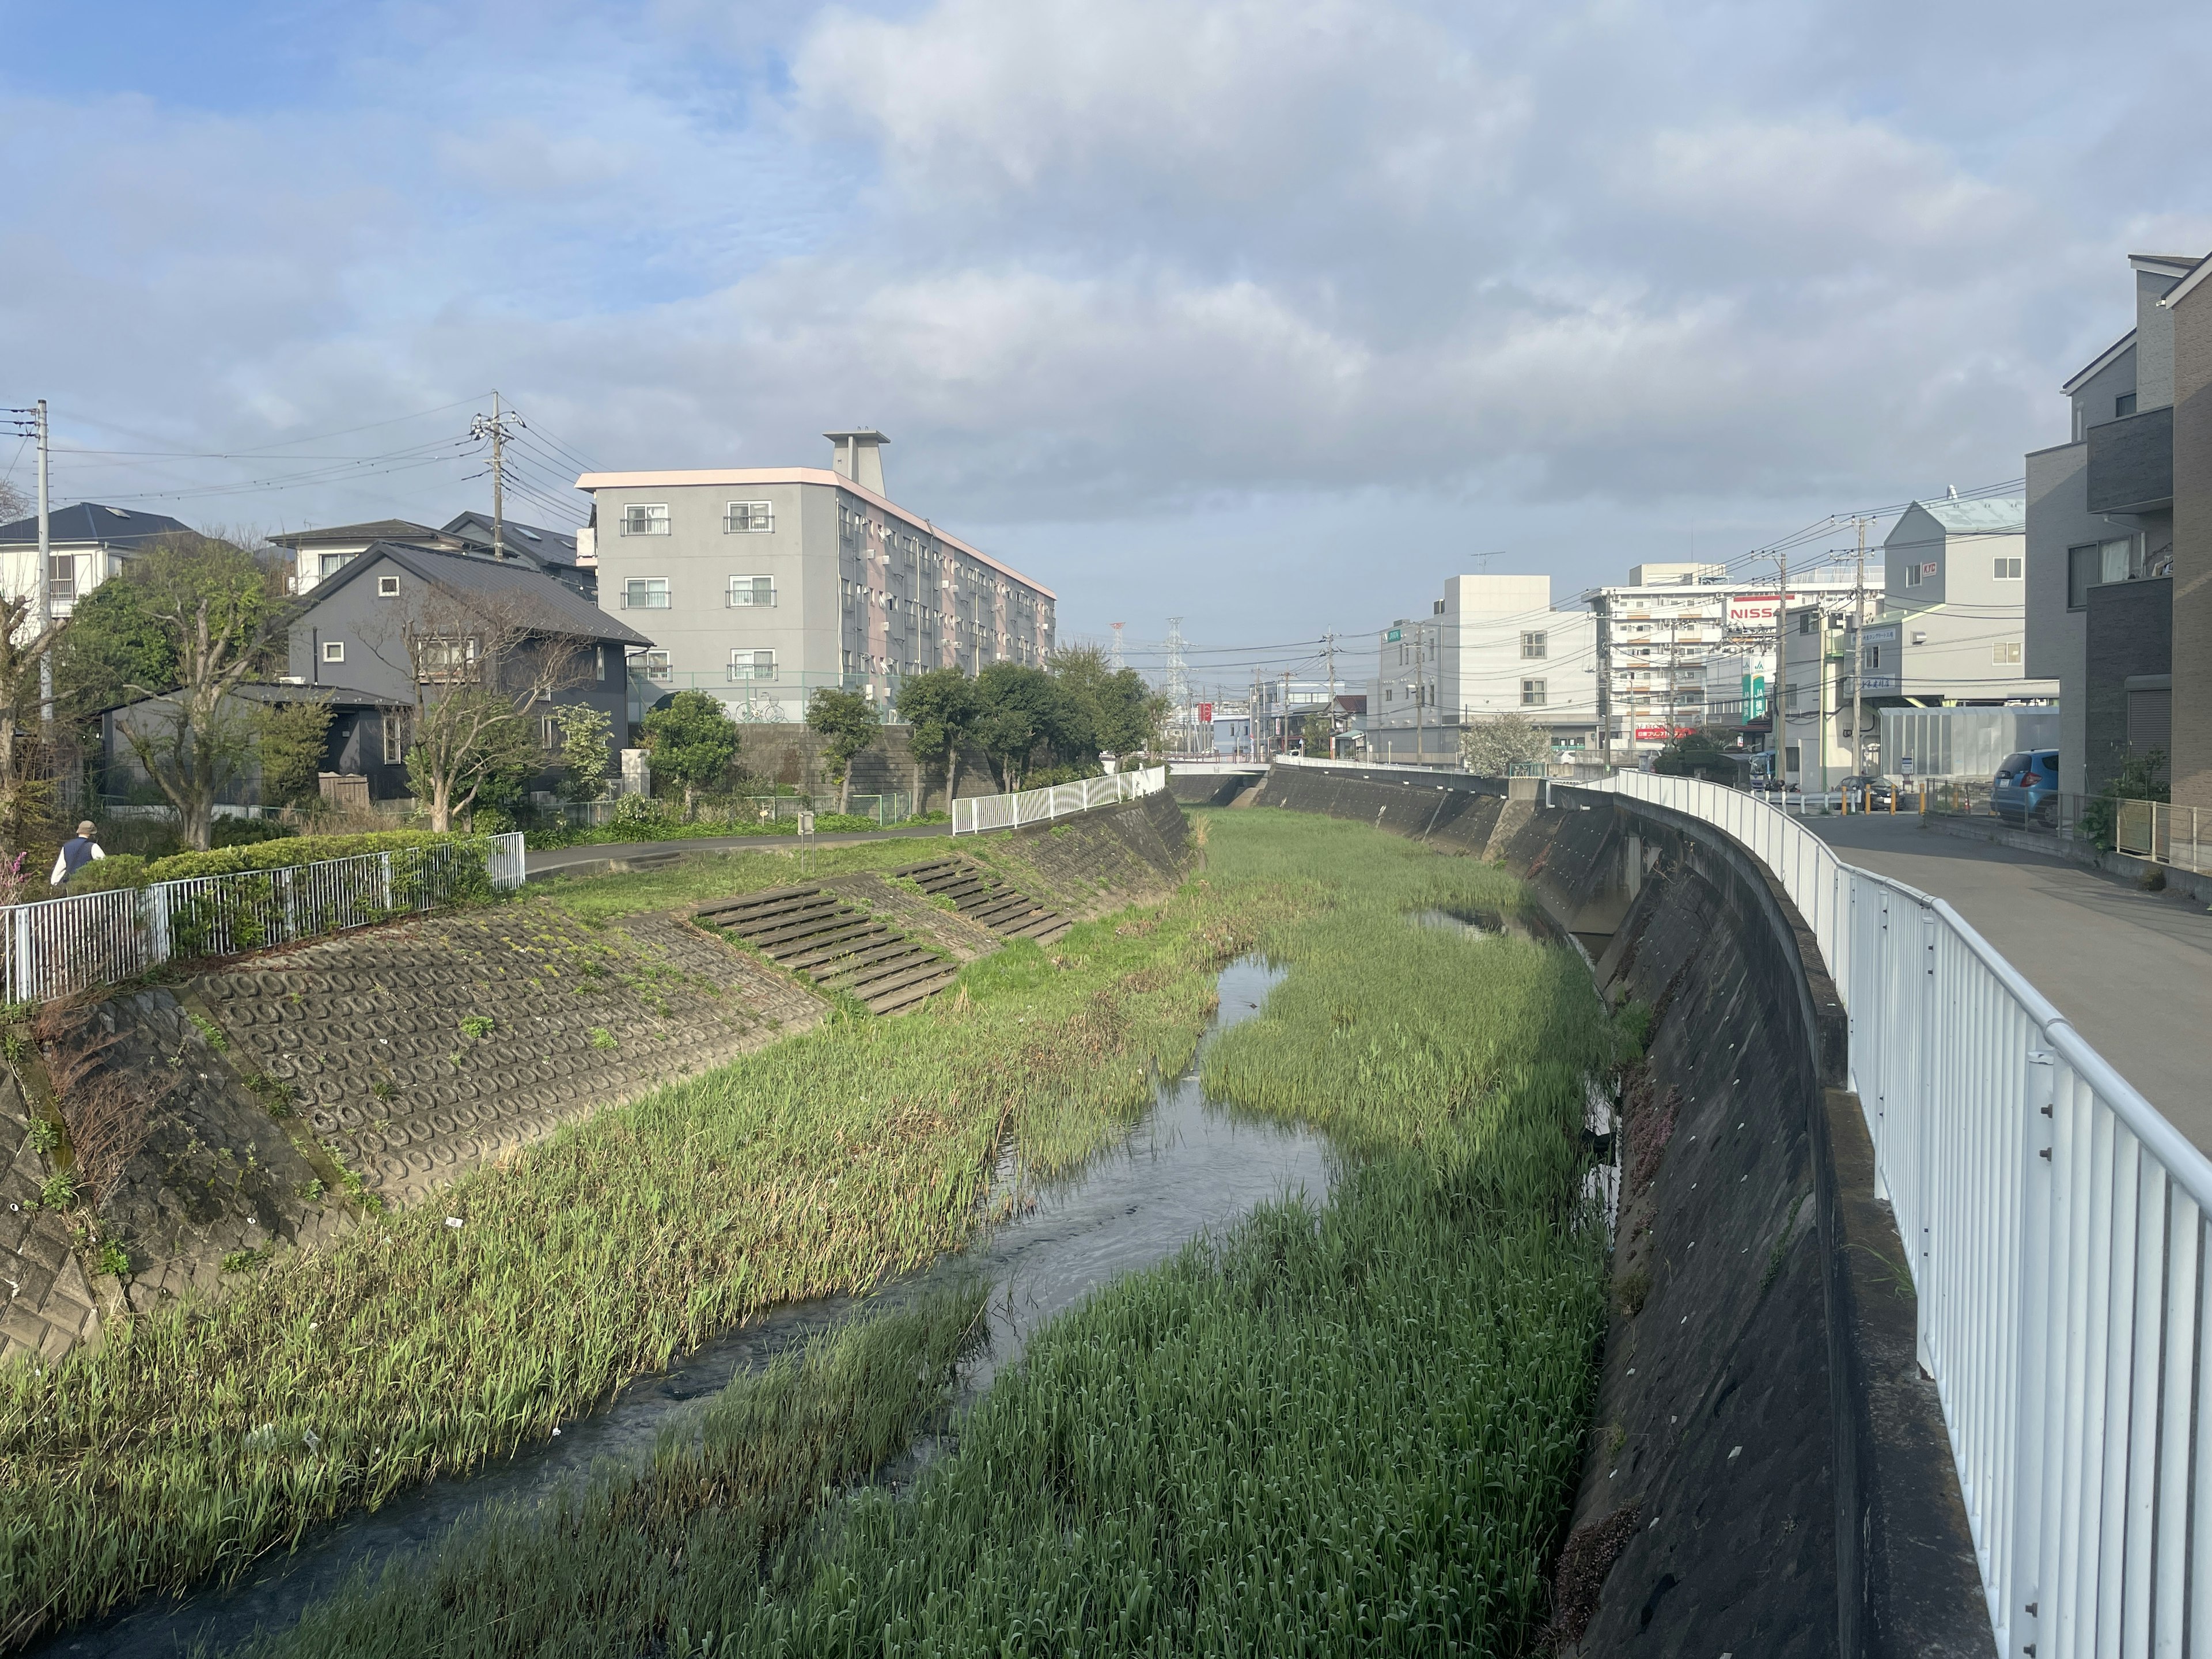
pixel 418 1051
pixel 839 947
pixel 46 1302
pixel 984 899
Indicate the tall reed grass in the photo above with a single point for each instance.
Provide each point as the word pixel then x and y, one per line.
pixel 1349 1430
pixel 191 1441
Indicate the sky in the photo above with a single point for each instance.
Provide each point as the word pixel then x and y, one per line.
pixel 1267 314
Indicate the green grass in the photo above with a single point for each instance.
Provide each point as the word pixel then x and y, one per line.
pixel 1353 1429
pixel 595 899
pixel 193 1440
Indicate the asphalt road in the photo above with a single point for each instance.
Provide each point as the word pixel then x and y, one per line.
pixel 561 858
pixel 2132 971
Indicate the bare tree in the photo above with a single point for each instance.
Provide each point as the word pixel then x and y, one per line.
pixel 14 503
pixel 484 667
pixel 220 608
pixel 26 790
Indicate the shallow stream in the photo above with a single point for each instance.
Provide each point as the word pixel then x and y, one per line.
pixel 1187 1166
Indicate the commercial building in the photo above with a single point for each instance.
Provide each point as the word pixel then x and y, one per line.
pixel 1682 646
pixel 2103 616
pixel 1491 646
pixel 763 584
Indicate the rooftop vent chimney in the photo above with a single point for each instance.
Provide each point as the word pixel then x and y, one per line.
pixel 1953 488
pixel 860 456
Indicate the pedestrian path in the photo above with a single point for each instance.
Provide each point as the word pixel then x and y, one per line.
pixel 2131 970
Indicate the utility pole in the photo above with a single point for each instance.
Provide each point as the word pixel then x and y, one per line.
pixel 45 616
pixel 1329 642
pixel 1775 685
pixel 1286 708
pixel 1858 658
pixel 494 427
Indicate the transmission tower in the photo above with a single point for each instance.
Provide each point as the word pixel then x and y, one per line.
pixel 1178 686
pixel 1118 664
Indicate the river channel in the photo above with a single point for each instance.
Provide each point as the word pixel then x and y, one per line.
pixel 1187 1166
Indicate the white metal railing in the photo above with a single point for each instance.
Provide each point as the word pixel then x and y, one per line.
pixel 2055 1227
pixel 2177 836
pixel 977 813
pixel 59 947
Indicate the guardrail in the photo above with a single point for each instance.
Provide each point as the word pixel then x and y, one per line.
pixel 2178 835
pixel 59 947
pixel 2056 1230
pixel 977 813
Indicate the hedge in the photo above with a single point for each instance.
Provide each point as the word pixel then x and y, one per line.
pixel 128 871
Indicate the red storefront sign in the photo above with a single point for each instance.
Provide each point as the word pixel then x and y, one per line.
pixel 1206 714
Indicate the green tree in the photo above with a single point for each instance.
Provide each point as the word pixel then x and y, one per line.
pixel 2141 777
pixel 218 610
pixel 692 739
pixel 586 744
pixel 1022 707
pixel 472 748
pixel 849 721
pixel 1700 755
pixel 26 787
pixel 113 641
pixel 1109 711
pixel 941 708
pixel 292 740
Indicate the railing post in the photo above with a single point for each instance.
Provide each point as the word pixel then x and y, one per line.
pixel 2016 1577
pixel 21 990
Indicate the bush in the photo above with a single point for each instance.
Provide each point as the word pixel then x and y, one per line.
pixel 295 850
pixel 247 832
pixel 639 812
pixel 104 875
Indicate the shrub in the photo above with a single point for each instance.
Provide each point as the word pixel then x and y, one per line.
pixel 247 832
pixel 296 849
pixel 104 875
pixel 639 812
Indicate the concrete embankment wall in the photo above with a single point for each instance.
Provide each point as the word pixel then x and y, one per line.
pixel 296 1087
pixel 1767 1472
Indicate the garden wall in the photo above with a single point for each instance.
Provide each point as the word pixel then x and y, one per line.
pixel 1768 1471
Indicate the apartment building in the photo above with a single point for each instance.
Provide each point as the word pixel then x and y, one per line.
pixel 1491 646
pixel 763 584
pixel 2101 546
pixel 1680 646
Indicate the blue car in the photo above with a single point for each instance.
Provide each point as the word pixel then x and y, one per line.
pixel 2025 788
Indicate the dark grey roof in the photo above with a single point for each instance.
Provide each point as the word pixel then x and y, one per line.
pixel 371 530
pixel 533 542
pixel 541 603
pixel 283 691
pixel 89 521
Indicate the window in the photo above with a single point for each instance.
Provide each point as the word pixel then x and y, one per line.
pixel 752 664
pixel 387 588
pixel 1873 656
pixel 61 576
pixel 2006 570
pixel 331 563
pixel 748 518
pixel 395 739
pixel 646 593
pixel 1532 645
pixel 2124 406
pixel 2095 563
pixel 2005 651
pixel 333 650
pixel 1532 694
pixel 643 521
pixel 1805 621
pixel 654 665
pixel 1912 575
pixel 752 590
pixel 447 659
pixel 548 734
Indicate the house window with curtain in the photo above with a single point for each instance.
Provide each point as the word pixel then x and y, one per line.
pixel 646 593
pixel 752 664
pixel 395 739
pixel 748 518
pixel 751 591
pixel 450 660
pixel 645 519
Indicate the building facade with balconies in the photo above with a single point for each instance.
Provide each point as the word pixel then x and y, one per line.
pixel 2100 525
pixel 762 585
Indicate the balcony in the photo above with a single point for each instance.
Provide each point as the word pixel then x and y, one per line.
pixel 2131 463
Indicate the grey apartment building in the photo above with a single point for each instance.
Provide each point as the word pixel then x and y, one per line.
pixel 762 585
pixel 2100 543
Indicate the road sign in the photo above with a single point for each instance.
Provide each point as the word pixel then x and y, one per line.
pixel 1394 636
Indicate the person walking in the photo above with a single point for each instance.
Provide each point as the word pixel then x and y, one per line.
pixel 77 851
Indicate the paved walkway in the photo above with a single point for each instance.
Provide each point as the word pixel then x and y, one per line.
pixel 561 858
pixel 2132 971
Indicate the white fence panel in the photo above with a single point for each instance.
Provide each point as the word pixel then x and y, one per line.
pixel 975 814
pixel 2055 1227
pixel 59 947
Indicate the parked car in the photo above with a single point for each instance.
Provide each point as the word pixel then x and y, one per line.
pixel 1867 793
pixel 2026 787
